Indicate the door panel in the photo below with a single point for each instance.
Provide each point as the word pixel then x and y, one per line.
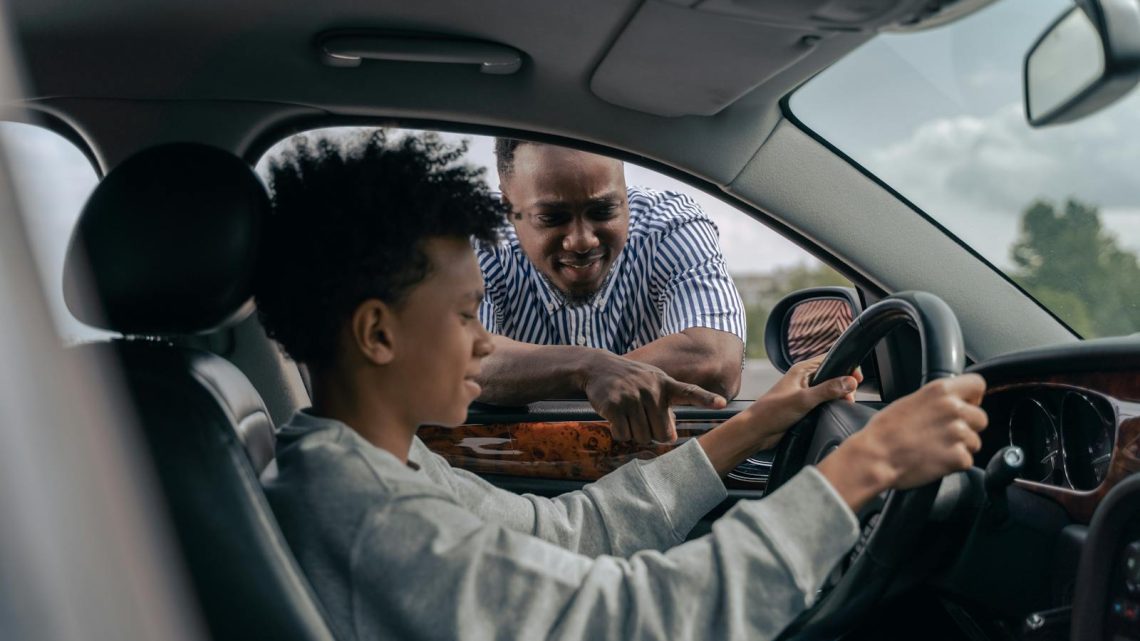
pixel 554 447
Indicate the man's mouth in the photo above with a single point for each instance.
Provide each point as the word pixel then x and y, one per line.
pixel 581 262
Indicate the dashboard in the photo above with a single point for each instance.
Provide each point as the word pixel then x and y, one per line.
pixel 1075 412
pixel 1067 432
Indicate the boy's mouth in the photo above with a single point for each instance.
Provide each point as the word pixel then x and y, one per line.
pixel 472 385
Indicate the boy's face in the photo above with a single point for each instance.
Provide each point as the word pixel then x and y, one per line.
pixel 441 343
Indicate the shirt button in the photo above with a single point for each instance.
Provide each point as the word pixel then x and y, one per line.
pixel 581 339
pixel 550 307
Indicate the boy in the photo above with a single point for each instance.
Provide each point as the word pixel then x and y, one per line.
pixel 370 280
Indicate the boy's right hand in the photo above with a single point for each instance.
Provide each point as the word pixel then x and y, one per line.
pixel 914 440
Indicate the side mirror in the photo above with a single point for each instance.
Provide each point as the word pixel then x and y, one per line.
pixel 1085 61
pixel 807 323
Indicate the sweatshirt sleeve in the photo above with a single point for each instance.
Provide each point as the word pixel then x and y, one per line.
pixel 426 568
pixel 642 505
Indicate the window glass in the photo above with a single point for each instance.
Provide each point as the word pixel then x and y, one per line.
pixel 53 180
pixel 763 264
pixel 938 115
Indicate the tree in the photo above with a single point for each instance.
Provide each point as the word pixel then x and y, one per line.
pixel 1072 265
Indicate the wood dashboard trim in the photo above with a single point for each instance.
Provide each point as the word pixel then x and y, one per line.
pixel 563 450
pixel 1122 390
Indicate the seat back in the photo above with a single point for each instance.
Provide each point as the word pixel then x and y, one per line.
pixel 205 425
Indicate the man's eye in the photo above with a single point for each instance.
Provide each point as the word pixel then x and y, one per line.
pixel 552 220
pixel 603 213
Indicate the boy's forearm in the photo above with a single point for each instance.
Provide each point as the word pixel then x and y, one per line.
pixel 741 436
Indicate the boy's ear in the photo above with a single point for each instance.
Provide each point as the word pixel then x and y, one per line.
pixel 373 325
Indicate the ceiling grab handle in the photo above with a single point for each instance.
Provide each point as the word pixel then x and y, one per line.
pixel 351 51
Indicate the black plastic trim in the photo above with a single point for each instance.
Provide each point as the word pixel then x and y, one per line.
pixel 1101 548
pixel 574 410
pixel 1120 353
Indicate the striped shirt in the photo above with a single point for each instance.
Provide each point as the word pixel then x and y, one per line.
pixel 670 276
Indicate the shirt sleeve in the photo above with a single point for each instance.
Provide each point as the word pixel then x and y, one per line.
pixel 641 505
pixel 493 276
pixel 698 291
pixel 425 568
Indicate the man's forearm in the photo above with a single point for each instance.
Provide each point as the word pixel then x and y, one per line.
pixel 706 357
pixel 518 373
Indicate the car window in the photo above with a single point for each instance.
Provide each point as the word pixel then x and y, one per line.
pixel 53 179
pixel 763 264
pixel 938 116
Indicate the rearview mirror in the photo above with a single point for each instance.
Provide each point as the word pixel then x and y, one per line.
pixel 1085 61
pixel 806 323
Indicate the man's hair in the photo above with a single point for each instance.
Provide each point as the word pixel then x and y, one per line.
pixel 505 154
pixel 349 221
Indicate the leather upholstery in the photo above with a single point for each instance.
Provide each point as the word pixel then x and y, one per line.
pixel 247 581
pixel 170 237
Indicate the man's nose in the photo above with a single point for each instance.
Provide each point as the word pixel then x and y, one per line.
pixel 580 238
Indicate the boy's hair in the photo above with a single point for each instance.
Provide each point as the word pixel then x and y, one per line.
pixel 350 216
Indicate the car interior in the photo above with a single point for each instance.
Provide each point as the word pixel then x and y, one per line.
pixel 175 103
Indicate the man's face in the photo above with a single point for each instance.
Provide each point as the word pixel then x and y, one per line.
pixel 570 213
pixel 441 343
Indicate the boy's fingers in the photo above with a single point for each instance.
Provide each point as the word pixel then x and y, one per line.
pixel 975 417
pixel 970 387
pixel 838 387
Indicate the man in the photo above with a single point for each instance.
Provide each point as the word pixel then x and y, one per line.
pixel 368 278
pixel 613 292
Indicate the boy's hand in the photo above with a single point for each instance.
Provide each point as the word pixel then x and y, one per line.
pixel 760 426
pixel 917 439
pixel 792 397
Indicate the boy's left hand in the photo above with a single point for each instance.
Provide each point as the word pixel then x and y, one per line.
pixel 792 397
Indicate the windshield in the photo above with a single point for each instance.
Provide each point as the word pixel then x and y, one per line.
pixel 938 116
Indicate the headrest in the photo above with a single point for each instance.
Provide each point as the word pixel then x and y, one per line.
pixel 170 239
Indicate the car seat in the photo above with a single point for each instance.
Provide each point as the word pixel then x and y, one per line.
pixel 166 246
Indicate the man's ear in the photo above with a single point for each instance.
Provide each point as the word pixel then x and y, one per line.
pixel 373 331
pixel 512 215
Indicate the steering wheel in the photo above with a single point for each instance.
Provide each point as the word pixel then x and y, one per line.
pixel 891 524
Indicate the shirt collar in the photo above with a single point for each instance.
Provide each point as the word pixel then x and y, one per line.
pixel 304 420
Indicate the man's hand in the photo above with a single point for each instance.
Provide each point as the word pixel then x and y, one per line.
pixel 917 439
pixel 635 398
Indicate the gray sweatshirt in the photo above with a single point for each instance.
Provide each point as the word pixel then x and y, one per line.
pixel 426 551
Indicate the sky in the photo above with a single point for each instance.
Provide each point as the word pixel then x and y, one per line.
pixel 935 114
pixel 944 125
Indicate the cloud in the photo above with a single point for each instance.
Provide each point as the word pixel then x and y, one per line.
pixel 975 175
